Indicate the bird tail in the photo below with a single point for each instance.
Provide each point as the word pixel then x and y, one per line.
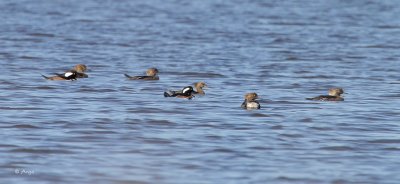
pixel 169 94
pixel 128 76
pixel 44 76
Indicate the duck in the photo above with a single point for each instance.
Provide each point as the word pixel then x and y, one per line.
pixel 69 75
pixel 199 88
pixel 250 101
pixel 78 72
pixel 151 75
pixel 334 94
pixel 186 92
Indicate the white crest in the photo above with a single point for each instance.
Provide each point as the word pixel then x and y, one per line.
pixel 185 89
pixel 67 74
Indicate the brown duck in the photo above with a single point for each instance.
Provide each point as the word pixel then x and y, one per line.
pixel 333 95
pixel 250 101
pixel 151 75
pixel 77 72
pixel 70 75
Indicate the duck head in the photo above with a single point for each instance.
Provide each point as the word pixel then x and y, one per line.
pixel 200 85
pixel 335 91
pixel 80 68
pixel 152 72
pixel 250 97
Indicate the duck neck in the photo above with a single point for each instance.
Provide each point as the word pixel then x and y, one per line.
pixel 251 100
pixel 200 90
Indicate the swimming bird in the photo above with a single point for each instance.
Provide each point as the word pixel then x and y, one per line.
pixel 78 72
pixel 333 95
pixel 70 75
pixel 186 92
pixel 199 88
pixel 151 75
pixel 250 101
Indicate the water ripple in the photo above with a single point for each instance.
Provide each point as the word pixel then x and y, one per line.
pixel 107 129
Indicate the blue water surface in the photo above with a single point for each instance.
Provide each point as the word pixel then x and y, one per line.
pixel 107 129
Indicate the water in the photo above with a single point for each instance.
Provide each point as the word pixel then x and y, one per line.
pixel 106 129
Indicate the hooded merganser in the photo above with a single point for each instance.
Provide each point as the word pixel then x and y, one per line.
pixel 151 75
pixel 199 88
pixel 333 95
pixel 186 92
pixel 80 69
pixel 70 75
pixel 250 101
pixel 78 72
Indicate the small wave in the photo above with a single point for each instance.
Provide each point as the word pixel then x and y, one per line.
pixel 318 77
pixel 306 120
pixel 281 40
pixel 143 110
pixel 391 149
pixel 85 20
pixel 322 128
pixel 213 137
pixel 292 58
pixel 161 122
pixel 127 181
pixel 6 82
pixel 45 87
pixel 41 151
pixel 41 35
pixel 302 180
pixel 391 95
pixel 337 148
pixel 157 141
pixel 7 146
pixel 198 74
pixel 21 108
pixel 382 46
pixel 259 115
pixel 191 167
pixel 222 150
pixel 385 141
pixel 29 57
pixel 96 90
pixel 277 127
pixel 93 132
pixel 260 148
pixel 292 135
pixel 24 126
pixel 293 24
pixel 388 27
